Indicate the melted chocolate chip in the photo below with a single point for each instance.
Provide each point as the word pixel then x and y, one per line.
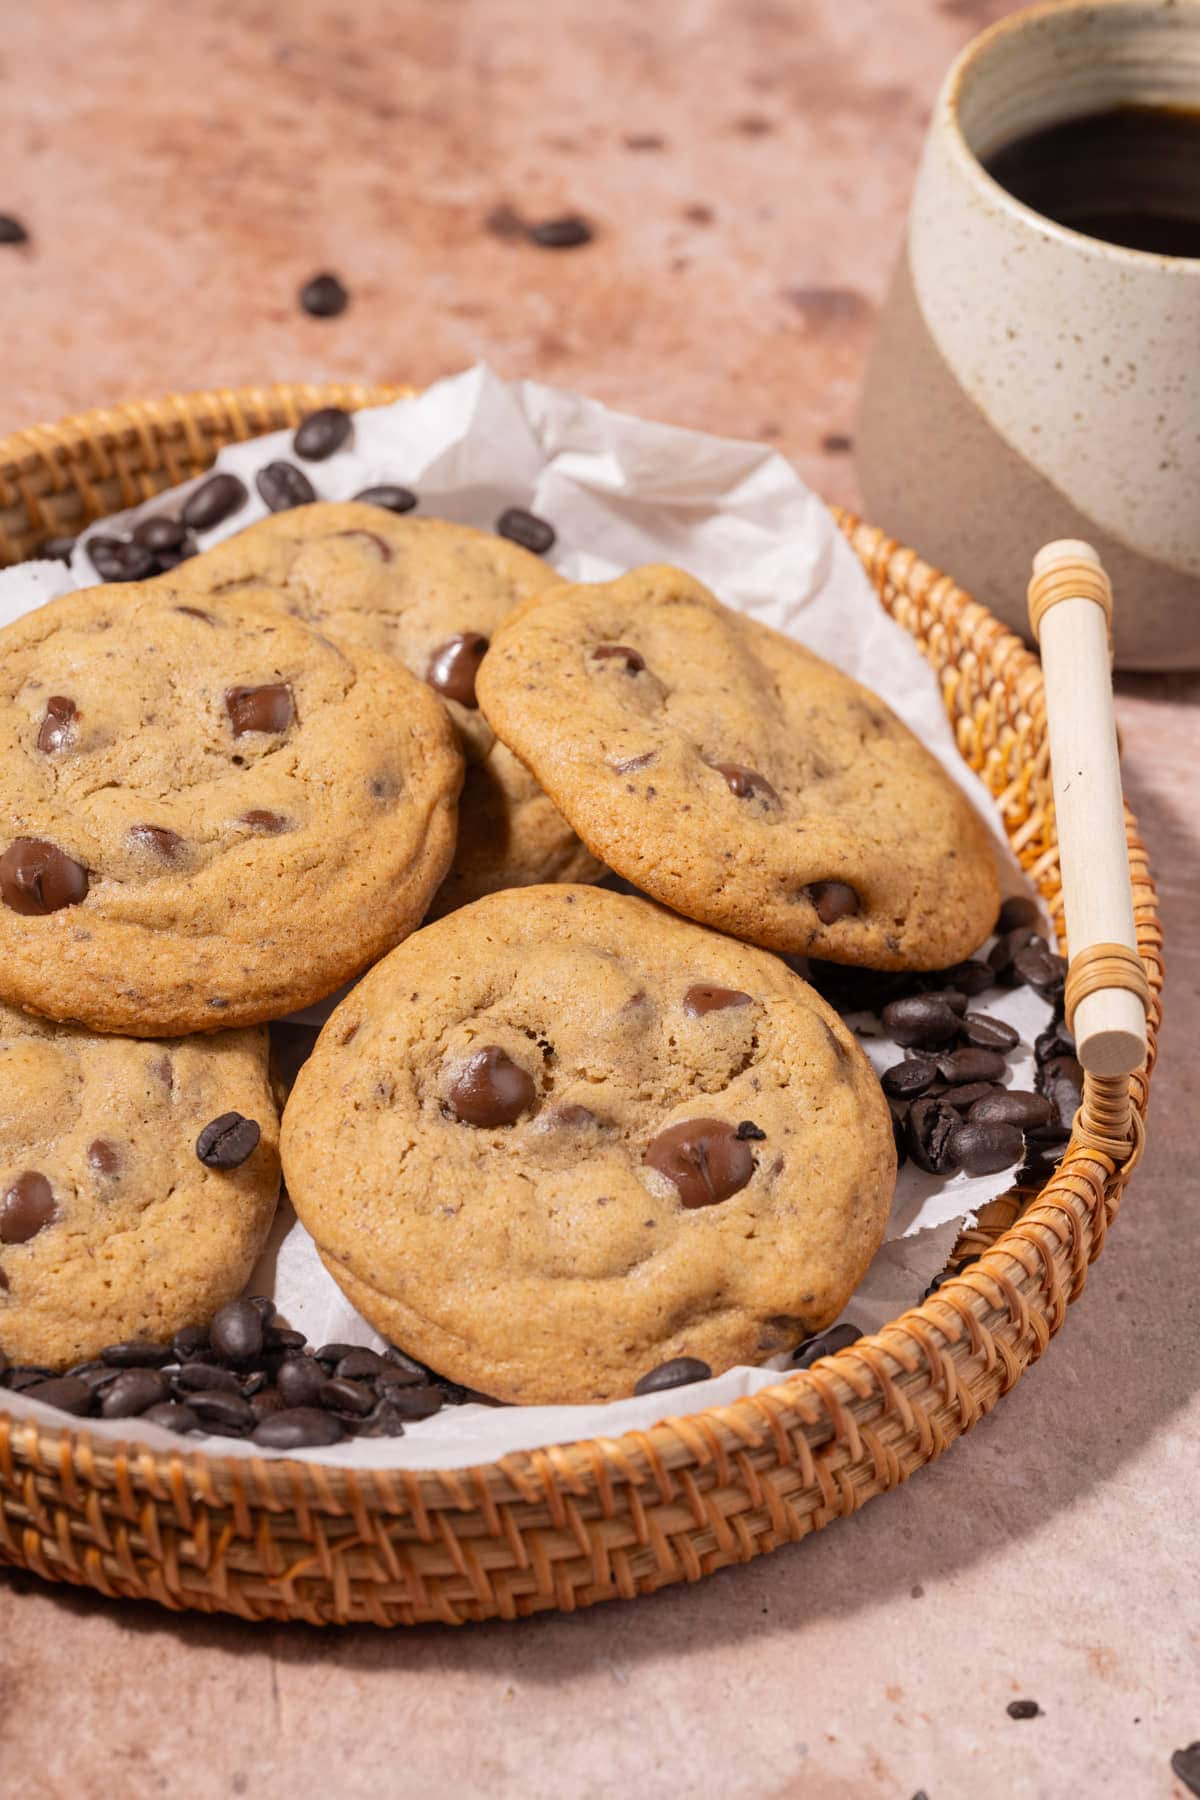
pixel 746 784
pixel 226 1142
pixel 269 823
pixel 382 549
pixel 748 1132
pixel 627 765
pixel 104 1157
pixel 491 1090
pixel 702 999
pixel 632 661
pixel 213 501
pixel 158 839
pixel 454 666
pixel 194 612
pixel 38 878
pixel 704 1159
pixel 57 730
pixel 321 433
pixel 268 709
pixel 26 1208
pixel 394 499
pixel 575 1116
pixel 833 900
pixel 526 529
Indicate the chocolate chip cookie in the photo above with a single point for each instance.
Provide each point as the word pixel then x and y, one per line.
pixel 733 775
pixel 562 1136
pixel 429 593
pixel 137 1183
pixel 210 814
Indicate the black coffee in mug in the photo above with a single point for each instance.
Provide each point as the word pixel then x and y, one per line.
pixel 1128 175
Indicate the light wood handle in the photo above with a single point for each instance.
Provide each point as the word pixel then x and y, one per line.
pixel 1070 609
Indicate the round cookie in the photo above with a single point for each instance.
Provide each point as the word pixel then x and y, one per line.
pixel 212 814
pixel 562 1136
pixel 111 1227
pixel 431 594
pixel 738 778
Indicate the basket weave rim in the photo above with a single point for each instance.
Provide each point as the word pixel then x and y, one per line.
pixel 819 1402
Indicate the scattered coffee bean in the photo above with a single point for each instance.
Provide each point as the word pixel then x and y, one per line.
pixel 97 1375
pixel 134 1391
pixel 703 1159
pixel 491 1090
pixel 333 1353
pixel 214 501
pixel 396 1375
pixel 279 1337
pixel 969 978
pixel 222 1411
pixel 1061 1080
pixel 135 1353
pixel 226 1142
pixel 189 1341
pixel 282 485
pixel 679 1371
pixel 253 1384
pixel 1056 1040
pixel 392 498
pixel 324 297
pixel 26 1207
pixel 985 1148
pixel 1013 1106
pixel 420 1402
pixel 826 1343
pixel 116 559
pixel 1185 1765
pixel 930 1126
pixel 971 1065
pixel 360 1365
pixel 300 1380
pixel 18 1381
pixel 561 234
pixel 526 529
pixel 263 1305
pixel 236 1332
pixel 321 433
pixel 920 1020
pixel 58 549
pixel 1019 909
pixel 298 1428
pixel 195 1377
pixel 12 231
pixel 989 1034
pixel 905 1080
pixel 385 1421
pixel 1023 1709
pixel 964 1096
pixel 346 1396
pixel 454 666
pixel 1040 967
pixel 1000 956
pixel 67 1392
pixel 269 1401
pixel 172 1415
pixel 833 900
pixel 38 878
pixel 161 533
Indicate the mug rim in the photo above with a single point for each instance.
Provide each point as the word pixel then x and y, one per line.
pixel 948 111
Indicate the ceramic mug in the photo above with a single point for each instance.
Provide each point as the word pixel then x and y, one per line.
pixel 1028 382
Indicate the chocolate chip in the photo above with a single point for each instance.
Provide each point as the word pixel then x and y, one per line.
pixel 905 1080
pixel 222 1411
pixel 1185 1764
pixel 67 1392
pixel 57 729
pixel 827 1343
pixel 631 661
pixel 103 1157
pixel 58 549
pixel 929 1129
pixel 1023 1709
pixel 321 433
pixel 989 1034
pixel 12 231
pixel 749 1133
pixel 1012 1106
pixel 746 784
pixel 922 1020
pixel 298 1428
pixel 226 1142
pixel 282 486
pixel 566 233
pixel 26 1208
pixel 324 297
pixel 1040 967
pixel 269 823
pixel 136 1353
pixel 267 709
pixel 214 501
pixel 491 1090
pixel 236 1332
pixel 116 559
pixel 1061 1080
pixel 164 843
pixel 161 533
pixel 172 1415
pixel 703 999
pixel 704 1160
pixel 526 529
pixel 984 1148
pixel 833 900
pixel 38 878
pixel 394 499
pixel 455 664
pixel 680 1371
pixel 134 1391
pixel 971 1065
pixel 1019 909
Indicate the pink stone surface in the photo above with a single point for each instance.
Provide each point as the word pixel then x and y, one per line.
pixel 183 167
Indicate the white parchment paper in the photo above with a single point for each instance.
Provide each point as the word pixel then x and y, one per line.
pixel 620 491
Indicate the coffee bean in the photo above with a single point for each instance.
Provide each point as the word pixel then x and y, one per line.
pixel 989 1034
pixel 134 1391
pixel 26 1207
pixel 1056 1040
pixel 963 1097
pixel 236 1332
pixel 1061 1080
pixel 985 1148
pixel 838 1337
pixel 921 1020
pixel 394 499
pixel 197 1377
pixel 278 1337
pixel 136 1353
pixel 749 1133
pixel 57 729
pixel 454 666
pixel 971 1065
pixel 253 1383
pixel 1000 956
pixel 1040 967
pixel 321 433
pixel 115 559
pixel 419 1402
pixel 385 1421
pixel 856 990
pixel 161 533
pixel 263 1305
pixel 266 1402
pixel 491 1090
pixel 167 845
pixel 1185 1766
pixel 282 485
pixel 58 549
pixel 298 1428
pixel 12 231
pixel 97 1375
pixel 1014 1106
pixel 679 1371
pixel 66 1392
pixel 226 1142
pixel 526 529
pixel 189 1341
pixel 833 900
pixel 399 1359
pixel 905 1080
pixel 703 1159
pixel 969 978
pixel 222 1411
pixel 390 1377
pixel 930 1126
pixel 324 297
pixel 346 1397
pixel 214 501
pixel 172 1415
pixel 566 233
pixel 1023 1709
pixel 360 1365
pixel 1019 909
pixel 703 999
pixel 333 1353
pixel 38 878
pixel 300 1380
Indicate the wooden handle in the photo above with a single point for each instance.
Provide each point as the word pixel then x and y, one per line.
pixel 1070 609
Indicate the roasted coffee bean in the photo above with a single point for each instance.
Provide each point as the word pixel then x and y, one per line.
pixel 214 501
pixel 172 1415
pixel 905 1080
pixel 161 533
pixel 454 666
pixel 236 1332
pixel 393 499
pixel 855 990
pixel 395 1375
pixel 134 1391
pixel 324 297
pixel 19 1379
pixel 526 529
pixel 346 1397
pixel 226 1142
pixel 58 549
pixel 282 485
pixel 748 784
pixel 118 559
pixel 97 1375
pixel 38 878
pixel 964 1096
pixel 279 1337
pixel 66 1392
pixel 971 1065
pixel 679 1371
pixel 136 1353
pixel 333 1353
pixel 400 1359
pixel 1185 1766
pixel 321 433
pixel 1023 1709
pixel 968 978
pixel 57 729
pixel 920 1020
pixel 360 1365
pixel 930 1126
pixel 298 1428
pixel 491 1090
pixel 561 234
pixel 263 1305
pixel 827 1343
pixel 986 1148
pixel 833 900
pixel 1001 954
pixel 26 1207
pixel 12 231
pixel 253 1383
pixel 939 1281
pixel 300 1380
pixel 1017 910
pixel 1040 967
pixel 189 1341
pixel 1061 1080
pixel 703 1159
pixel 194 1377
pixel 702 999
pixel 417 1402
pixel 1014 1106
pixel 221 1411
pixel 1056 1040
pixel 265 1402
pixel 988 1033
pixel 385 1421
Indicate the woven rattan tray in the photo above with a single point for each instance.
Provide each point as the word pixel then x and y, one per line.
pixel 609 1518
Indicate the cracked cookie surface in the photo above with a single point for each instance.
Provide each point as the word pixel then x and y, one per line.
pixel 562 1136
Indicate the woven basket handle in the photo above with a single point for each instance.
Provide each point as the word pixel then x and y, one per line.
pixel 1070 611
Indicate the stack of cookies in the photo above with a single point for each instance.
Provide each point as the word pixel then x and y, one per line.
pixel 559 1136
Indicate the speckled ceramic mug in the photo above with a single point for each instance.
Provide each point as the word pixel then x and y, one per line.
pixel 1028 382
